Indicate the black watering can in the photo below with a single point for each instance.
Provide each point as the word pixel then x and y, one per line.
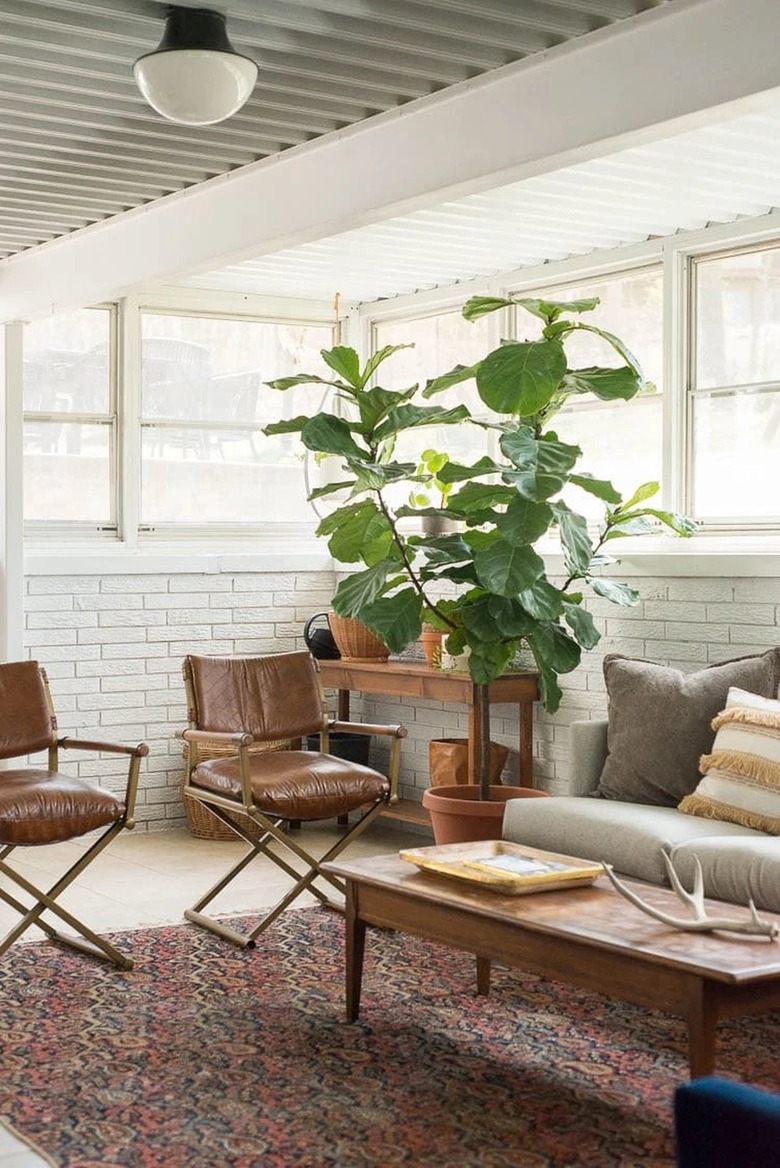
pixel 320 642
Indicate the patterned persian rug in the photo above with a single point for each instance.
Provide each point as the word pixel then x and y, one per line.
pixel 206 1056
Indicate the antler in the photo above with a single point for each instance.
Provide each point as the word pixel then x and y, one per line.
pixel 700 923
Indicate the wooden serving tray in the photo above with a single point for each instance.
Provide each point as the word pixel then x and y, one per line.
pixel 505 867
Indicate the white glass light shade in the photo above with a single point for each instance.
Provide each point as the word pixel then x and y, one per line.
pixel 195 87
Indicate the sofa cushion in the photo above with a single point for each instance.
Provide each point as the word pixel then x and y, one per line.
pixel 660 722
pixel 741 782
pixel 734 868
pixel 629 836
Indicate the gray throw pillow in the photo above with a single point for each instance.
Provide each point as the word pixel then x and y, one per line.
pixel 659 722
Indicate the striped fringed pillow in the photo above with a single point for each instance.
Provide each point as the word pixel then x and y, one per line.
pixel 741 782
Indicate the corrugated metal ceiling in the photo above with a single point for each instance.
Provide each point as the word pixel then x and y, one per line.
pixel 710 175
pixel 78 143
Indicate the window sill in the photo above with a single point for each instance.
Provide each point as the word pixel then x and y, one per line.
pixel 119 560
pixel 703 555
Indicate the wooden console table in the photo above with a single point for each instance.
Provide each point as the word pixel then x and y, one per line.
pixel 415 679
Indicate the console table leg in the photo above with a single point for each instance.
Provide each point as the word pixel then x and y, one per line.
pixel 483 976
pixel 702 1024
pixel 526 759
pixel 355 947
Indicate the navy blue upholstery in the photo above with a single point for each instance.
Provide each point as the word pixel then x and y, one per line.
pixel 719 1124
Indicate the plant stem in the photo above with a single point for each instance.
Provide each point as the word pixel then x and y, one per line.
pixel 401 545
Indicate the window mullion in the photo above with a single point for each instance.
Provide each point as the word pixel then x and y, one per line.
pixel 129 409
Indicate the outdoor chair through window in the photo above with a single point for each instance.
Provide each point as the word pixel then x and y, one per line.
pixel 39 806
pixel 242 703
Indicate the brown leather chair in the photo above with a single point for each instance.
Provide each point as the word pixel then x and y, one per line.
pixel 250 700
pixel 40 806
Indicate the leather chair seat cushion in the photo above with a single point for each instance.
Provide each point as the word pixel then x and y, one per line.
pixel 45 807
pixel 296 784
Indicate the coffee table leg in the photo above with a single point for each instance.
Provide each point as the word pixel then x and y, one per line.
pixel 355 946
pixel 483 976
pixel 702 1024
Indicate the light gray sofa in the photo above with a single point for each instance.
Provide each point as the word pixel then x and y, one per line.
pixel 737 863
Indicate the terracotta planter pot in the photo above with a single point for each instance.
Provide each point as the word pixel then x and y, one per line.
pixel 458 815
pixel 431 640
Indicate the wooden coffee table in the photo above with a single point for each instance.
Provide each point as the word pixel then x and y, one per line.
pixel 588 937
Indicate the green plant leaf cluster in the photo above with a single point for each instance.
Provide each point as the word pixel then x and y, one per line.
pixel 485 585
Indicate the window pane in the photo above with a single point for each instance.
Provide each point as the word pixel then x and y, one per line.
pixel 66 363
pixel 214 370
pixel 440 343
pixel 620 441
pixel 622 447
pixel 67 472
pixel 736 439
pixel 738 319
pixel 220 476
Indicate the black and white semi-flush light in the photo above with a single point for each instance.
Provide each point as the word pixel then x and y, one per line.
pixel 195 77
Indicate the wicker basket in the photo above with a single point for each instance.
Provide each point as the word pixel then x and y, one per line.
pixel 201 823
pixel 355 642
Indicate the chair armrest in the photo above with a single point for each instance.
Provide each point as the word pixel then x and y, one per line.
pixel 136 753
pixel 395 731
pixel 217 736
pixel 141 750
pixel 588 742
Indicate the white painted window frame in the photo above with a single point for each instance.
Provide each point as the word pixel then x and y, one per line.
pixel 716 553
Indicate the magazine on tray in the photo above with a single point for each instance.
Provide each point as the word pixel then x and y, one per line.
pixel 505 866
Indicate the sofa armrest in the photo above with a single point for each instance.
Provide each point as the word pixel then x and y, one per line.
pixel 588 744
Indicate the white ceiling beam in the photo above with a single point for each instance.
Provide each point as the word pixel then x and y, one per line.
pixel 668 70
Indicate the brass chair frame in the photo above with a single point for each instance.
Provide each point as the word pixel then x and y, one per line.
pixel 84 938
pixel 268 829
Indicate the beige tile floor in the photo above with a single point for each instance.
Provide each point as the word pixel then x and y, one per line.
pixel 149 878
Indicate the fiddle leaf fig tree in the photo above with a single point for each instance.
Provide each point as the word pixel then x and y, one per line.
pixel 485 585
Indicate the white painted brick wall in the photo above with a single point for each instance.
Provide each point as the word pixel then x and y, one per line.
pixel 113 649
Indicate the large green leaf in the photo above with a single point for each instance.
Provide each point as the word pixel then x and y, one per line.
pixel 642 493
pixel 479 306
pixel 507 570
pixel 374 405
pixel 680 524
pixel 510 616
pixel 303 379
pixel 581 624
pixel 615 591
pixel 454 472
pixel 550 310
pixel 489 661
pixel 521 378
pixel 604 383
pixel 329 523
pixel 619 346
pixel 523 522
pixel 376 359
pixel 346 363
pixel 360 589
pixel 455 376
pixel 330 435
pixel 601 488
pixel 543 601
pixel 479 621
pixel 396 619
pixel 365 534
pixel 407 417
pixel 288 426
pixel 576 542
pixel 542 464
pixel 477 498
pixel 556 648
pixel 330 489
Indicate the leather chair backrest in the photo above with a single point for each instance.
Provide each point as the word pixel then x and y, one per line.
pixel 27 724
pixel 269 697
